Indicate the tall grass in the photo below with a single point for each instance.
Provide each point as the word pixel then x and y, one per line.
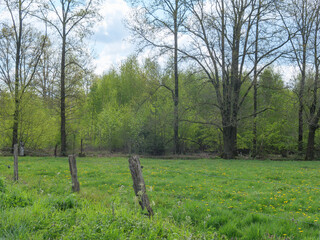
pixel 192 199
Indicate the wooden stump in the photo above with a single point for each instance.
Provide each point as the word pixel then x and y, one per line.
pixel 15 169
pixel 138 184
pixel 74 173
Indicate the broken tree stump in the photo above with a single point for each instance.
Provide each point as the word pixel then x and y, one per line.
pixel 138 184
pixel 15 162
pixel 74 173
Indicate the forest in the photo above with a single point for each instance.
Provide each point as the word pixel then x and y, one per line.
pixel 217 79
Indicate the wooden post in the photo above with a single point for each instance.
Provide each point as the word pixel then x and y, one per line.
pixel 15 169
pixel 138 184
pixel 74 173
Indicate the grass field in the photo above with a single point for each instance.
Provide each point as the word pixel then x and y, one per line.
pixel 192 199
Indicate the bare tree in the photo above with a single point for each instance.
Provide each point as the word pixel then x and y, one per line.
pixel 48 71
pixel 299 17
pixel 255 82
pixel 157 24
pixel 314 109
pixel 222 43
pixel 20 49
pixel 72 21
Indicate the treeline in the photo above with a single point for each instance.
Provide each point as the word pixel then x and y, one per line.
pixel 219 89
pixel 130 110
pixel 136 114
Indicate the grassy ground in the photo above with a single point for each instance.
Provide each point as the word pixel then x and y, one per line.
pixel 192 199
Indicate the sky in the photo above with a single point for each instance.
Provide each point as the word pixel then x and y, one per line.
pixel 110 41
pixel 111 45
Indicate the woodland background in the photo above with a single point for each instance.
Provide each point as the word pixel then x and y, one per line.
pixel 211 82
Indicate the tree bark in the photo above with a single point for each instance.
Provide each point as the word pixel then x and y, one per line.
pixel 55 150
pixel 176 85
pixel 15 169
pixel 229 142
pixel 314 108
pixel 63 95
pixel 139 184
pixel 18 35
pixel 310 146
pixel 300 128
pixel 305 40
pixel 255 87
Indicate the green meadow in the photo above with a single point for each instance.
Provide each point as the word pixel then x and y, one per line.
pixel 192 199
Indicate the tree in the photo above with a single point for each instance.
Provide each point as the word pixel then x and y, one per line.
pixel 221 43
pixel 277 123
pixel 72 21
pixel 154 24
pixel 255 82
pixel 21 49
pixel 48 71
pixel 299 19
pixel 314 109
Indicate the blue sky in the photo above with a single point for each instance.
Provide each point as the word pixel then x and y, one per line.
pixel 111 44
pixel 110 41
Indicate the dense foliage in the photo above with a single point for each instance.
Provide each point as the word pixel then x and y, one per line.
pixel 129 110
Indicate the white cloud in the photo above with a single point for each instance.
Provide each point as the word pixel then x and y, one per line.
pixel 112 54
pixel 288 72
pixel 110 36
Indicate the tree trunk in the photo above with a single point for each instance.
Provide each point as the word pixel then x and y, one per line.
pixel 314 108
pixel 301 98
pixel 15 122
pixel 229 142
pixel 310 146
pixel 255 87
pixel 74 173
pixel 63 98
pixel 138 184
pixel 176 86
pixel 300 128
pixel 15 169
pixel 17 80
pixel 55 150
pixel 254 131
pixel 81 154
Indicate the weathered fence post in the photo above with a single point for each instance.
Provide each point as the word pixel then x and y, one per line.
pixel 138 184
pixel 74 173
pixel 15 169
